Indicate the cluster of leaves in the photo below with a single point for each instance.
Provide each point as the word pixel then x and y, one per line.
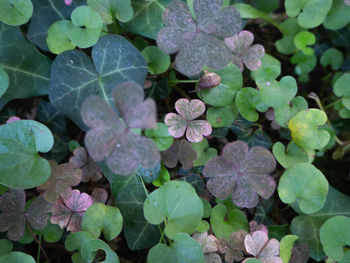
pixel 152 178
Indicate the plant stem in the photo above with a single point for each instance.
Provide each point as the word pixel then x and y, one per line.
pixel 144 186
pixel 37 241
pixel 331 104
pixel 184 81
pixel 38 253
pixel 183 94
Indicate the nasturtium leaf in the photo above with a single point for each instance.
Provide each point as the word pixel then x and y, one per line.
pixel 285 113
pixel 278 93
pixel 21 165
pixel 332 57
pixel 27 68
pixel 160 136
pixel 58 37
pixel 61 180
pixel 180 151
pixel 244 52
pixel 305 132
pixel 259 245
pixel 334 235
pixel 185 121
pixel 183 250
pixel 4 81
pixel 241 173
pixel 304 184
pixel 222 116
pixel 303 39
pixel 158 61
pixel 290 156
pixel 176 203
pixel 163 177
pixel 247 99
pixel 15 12
pixel 204 152
pixel 290 28
pixel 111 67
pixel 90 248
pixel 148 175
pixel 87 27
pixel 81 160
pixel 223 94
pixel 341 89
pixel 223 222
pixel 49 115
pixel 112 9
pixel 198 43
pixel 312 12
pixel 69 212
pixel 17 257
pixel 338 16
pixel 100 217
pixel 233 247
pixel 270 69
pixel 286 246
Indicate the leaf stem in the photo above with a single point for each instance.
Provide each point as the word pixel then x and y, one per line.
pixel 331 104
pixel 144 186
pixel 38 253
pixel 183 81
pixel 37 241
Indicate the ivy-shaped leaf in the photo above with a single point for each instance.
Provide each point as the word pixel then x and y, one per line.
pixel 111 67
pixel 112 9
pixel 198 43
pixel 180 151
pixel 242 173
pixel 16 13
pixel 54 120
pixel 233 247
pixel 244 53
pixel 185 120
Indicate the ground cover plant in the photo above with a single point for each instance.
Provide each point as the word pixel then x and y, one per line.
pixel 198 131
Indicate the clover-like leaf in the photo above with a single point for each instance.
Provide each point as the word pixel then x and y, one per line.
pixel 290 156
pixel 285 113
pixel 38 213
pixel 222 116
pixel 81 160
pixel 303 39
pixel 209 245
pixel 247 100
pixel 185 120
pixel 290 28
pixel 111 9
pixel 111 139
pixel 178 204
pixel 265 250
pixel 233 247
pixel 69 212
pixel 204 152
pixel 305 132
pixel 270 69
pixel 332 57
pixel 61 180
pixel 180 151
pixel 338 16
pixel 305 184
pixel 244 52
pixel 16 12
pixel 242 173
pixel 198 43
pixel 160 136
pixel 158 61
pixel 99 195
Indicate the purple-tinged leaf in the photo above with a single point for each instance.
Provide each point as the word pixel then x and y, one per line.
pixel 300 253
pixel 99 195
pixel 244 52
pixel 242 173
pixel 200 43
pixel 60 183
pixel 188 111
pixel 12 119
pixel 180 151
pixel 234 247
pixel 209 245
pixel 347 2
pixel 38 213
pixel 69 212
pixel 90 170
pixel 254 226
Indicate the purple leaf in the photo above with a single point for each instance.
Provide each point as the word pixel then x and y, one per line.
pixel 99 195
pixel 188 111
pixel 69 212
pixel 61 180
pixel 242 173
pixel 180 151
pixel 300 253
pixel 347 2
pixel 12 119
pixel 209 245
pixel 254 226
pixel 200 43
pixel 38 213
pixel 90 170
pixel 244 52
pixel 234 247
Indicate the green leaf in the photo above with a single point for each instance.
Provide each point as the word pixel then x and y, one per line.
pixel 313 13
pixel 267 5
pixel 341 89
pixel 221 116
pixel 100 217
pixel 6 247
pixel 147 20
pixel 90 248
pixel 21 165
pixel 204 152
pixel 203 226
pixel 58 37
pixel 247 99
pixel 332 57
pixel 224 222
pixel 304 184
pixel 52 233
pixel 223 95
pixel 183 250
pixel 163 177
pixel 286 246
pixel 270 69
pixel 75 241
pixel 338 16
pixel 286 112
pixel 108 9
pixel 176 203
pixel 87 27
pixel 293 155
pixel 305 132
pixel 196 181
pixel 290 28
pixel 160 136
pixel 148 175
pixel 17 257
pixel 305 64
pixel 110 68
pixel 4 81
pixel 27 68
pixel 15 12
pixel 158 61
pixel 303 39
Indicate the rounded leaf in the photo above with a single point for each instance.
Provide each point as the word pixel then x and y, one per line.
pixel 158 61
pixel 15 12
pixel 286 246
pixel 90 248
pixel 120 9
pixel 58 37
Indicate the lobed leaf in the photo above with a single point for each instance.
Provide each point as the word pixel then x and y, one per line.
pixel 16 13
pixel 58 37
pixel 204 152
pixel 233 247
pixel 158 61
pixel 332 57
pixel 112 9
pixel 338 16
pixel 160 136
pixel 290 156
pixel 180 151
pixel 303 39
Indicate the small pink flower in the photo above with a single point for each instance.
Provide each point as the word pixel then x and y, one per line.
pixel 68 2
pixel 12 119
pixel 184 121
